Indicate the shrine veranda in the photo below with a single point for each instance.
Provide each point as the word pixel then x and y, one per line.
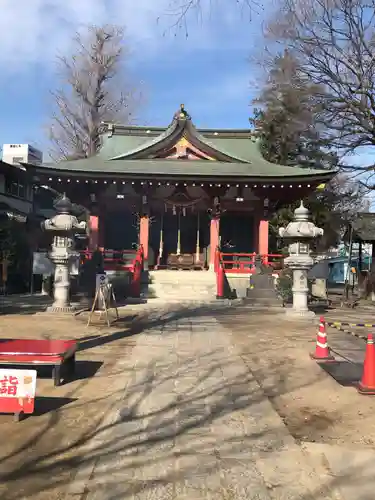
pixel 180 192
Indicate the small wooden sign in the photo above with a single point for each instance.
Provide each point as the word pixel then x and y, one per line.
pixel 101 280
pixel 17 391
pixel 104 299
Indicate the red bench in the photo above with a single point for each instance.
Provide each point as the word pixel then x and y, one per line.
pixel 60 354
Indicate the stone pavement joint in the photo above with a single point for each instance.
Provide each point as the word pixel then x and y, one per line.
pixel 194 424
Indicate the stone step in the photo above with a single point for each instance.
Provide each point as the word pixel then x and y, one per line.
pixel 161 293
pixel 195 301
pixel 183 284
pixel 180 294
pixel 180 286
pixel 182 275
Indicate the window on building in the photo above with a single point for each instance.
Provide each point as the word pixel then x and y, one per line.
pixel 18 159
pixel 15 188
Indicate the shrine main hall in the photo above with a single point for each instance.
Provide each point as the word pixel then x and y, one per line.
pixel 179 191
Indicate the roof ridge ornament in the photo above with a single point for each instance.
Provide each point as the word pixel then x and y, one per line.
pixel 182 114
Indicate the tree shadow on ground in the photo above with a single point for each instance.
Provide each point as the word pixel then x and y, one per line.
pixel 167 438
pixel 148 434
pixel 23 304
pixel 44 404
pixel 84 369
pixel 154 322
pixel 199 424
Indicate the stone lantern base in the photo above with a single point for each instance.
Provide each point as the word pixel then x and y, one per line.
pixel 299 233
pixel 295 314
pixel 63 226
pixel 61 310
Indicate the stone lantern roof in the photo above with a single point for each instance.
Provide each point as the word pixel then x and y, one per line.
pixel 63 205
pixel 300 228
pixel 301 213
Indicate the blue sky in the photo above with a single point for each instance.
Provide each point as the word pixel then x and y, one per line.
pixel 209 71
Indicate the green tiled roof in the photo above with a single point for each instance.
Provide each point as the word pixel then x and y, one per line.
pixel 134 145
pixel 117 144
pixel 133 151
pixel 222 146
pixel 148 143
pixel 244 148
pixel 187 168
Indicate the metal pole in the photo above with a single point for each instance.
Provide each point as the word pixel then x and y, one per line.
pixel 161 241
pixel 32 275
pixel 346 285
pixel 179 233
pixel 197 250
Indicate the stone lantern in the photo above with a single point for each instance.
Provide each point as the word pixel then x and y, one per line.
pixel 299 233
pixel 63 226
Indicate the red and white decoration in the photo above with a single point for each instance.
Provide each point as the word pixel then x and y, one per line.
pixel 17 391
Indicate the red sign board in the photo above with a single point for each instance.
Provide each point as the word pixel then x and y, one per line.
pixel 17 391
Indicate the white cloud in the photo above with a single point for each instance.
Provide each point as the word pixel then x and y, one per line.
pixel 33 31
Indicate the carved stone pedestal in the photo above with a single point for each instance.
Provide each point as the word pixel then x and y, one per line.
pixel 63 226
pixel 300 232
pixel 61 288
pixel 300 290
pixel 293 314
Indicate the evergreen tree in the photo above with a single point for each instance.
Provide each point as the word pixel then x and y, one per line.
pixel 334 42
pixel 285 121
pixel 285 117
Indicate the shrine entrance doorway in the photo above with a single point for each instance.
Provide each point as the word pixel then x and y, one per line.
pixel 182 239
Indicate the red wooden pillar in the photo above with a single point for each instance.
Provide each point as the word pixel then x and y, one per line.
pixel 220 282
pixel 144 237
pixel 214 240
pixel 263 240
pixel 94 232
pixel 256 235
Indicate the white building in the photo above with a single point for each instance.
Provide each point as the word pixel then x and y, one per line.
pixel 22 153
pixel 16 192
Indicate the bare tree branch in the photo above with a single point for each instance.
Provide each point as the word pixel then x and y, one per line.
pixel 285 124
pixel 180 10
pixel 93 91
pixel 334 40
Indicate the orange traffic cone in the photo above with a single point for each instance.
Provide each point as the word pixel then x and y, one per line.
pixel 367 384
pixel 322 350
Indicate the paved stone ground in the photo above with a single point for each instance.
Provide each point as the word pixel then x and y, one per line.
pixel 192 402
pixel 324 413
pixel 194 424
pixel 40 453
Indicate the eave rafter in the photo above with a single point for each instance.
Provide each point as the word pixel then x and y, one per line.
pixel 96 183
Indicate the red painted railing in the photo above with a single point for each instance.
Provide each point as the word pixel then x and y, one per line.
pixel 220 275
pixel 123 260
pixel 115 260
pixel 241 263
